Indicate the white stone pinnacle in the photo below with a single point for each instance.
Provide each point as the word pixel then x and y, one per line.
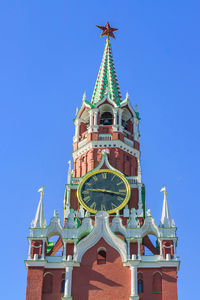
pixel 40 221
pixel 165 218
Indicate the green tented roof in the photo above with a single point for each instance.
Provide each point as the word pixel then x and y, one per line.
pixel 107 79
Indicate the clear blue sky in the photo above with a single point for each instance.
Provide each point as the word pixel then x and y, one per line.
pixel 50 54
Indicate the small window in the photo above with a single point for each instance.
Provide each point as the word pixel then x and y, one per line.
pixel 63 284
pixel 140 286
pixel 83 159
pixel 101 257
pixel 127 158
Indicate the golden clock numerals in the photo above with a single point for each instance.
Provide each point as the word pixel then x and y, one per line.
pixel 120 198
pixel 113 205
pixel 85 192
pixel 93 205
pixel 122 191
pixel 89 184
pixel 103 207
pixel 113 177
pixel 95 178
pixel 104 175
pixel 119 182
pixel 86 199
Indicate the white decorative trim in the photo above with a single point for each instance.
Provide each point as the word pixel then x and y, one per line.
pixel 104 159
pixel 106 144
pixel 149 227
pixel 101 230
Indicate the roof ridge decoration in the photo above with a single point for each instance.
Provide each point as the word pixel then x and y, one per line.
pixel 107 82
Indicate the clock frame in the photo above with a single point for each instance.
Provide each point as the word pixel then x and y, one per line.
pixel 91 180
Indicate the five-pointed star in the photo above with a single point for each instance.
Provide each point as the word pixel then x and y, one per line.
pixel 107 30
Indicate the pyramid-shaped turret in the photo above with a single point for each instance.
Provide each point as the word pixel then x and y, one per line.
pixel 107 79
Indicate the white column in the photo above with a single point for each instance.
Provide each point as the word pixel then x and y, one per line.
pixel 68 282
pixel 95 120
pixel 128 248
pixel 29 250
pixel 64 251
pixel 134 285
pixel 174 244
pixel 76 137
pixel 91 117
pixel 140 192
pixel 95 117
pixel 139 249
pixel 120 117
pixel 43 246
pixel 161 249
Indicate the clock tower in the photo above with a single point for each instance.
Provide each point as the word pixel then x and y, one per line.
pixel 108 246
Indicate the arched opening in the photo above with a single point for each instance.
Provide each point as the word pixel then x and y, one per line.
pixel 47 283
pixel 101 256
pixel 150 243
pixel 84 124
pixel 157 283
pixel 127 120
pixel 62 290
pixel 106 119
pixel 54 246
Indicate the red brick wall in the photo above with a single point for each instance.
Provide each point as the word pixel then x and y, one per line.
pixel 56 287
pixel 95 281
pixel 34 283
pixel 169 284
pixel 119 159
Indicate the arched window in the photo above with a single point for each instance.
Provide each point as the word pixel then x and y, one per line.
pixel 47 283
pixel 63 284
pixel 140 283
pixel 101 257
pixel 157 283
pixel 140 286
pixel 106 118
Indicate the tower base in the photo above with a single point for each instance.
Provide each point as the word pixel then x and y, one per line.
pixel 134 297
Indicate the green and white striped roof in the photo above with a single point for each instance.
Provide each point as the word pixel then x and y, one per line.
pixel 107 79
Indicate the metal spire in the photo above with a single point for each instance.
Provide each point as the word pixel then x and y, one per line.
pixel 165 218
pixel 40 221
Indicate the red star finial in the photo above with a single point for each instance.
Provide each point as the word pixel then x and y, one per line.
pixel 107 30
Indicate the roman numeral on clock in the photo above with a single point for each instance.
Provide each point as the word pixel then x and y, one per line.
pixel 103 207
pixel 113 205
pixel 104 175
pixel 86 199
pixel 120 198
pixel 93 205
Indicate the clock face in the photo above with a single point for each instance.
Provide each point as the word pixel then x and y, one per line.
pixel 103 190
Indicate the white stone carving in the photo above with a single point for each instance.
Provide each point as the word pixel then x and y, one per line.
pixel 101 230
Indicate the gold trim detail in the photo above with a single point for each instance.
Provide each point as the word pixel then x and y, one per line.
pixel 128 190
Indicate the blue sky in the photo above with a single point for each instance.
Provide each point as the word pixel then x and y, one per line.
pixel 50 54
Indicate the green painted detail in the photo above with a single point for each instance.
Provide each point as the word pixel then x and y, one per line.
pixel 50 246
pixel 144 200
pixel 107 79
pixel 89 103
pixel 137 115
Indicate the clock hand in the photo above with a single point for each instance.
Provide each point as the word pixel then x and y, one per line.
pixel 118 193
pixel 105 191
pixel 97 190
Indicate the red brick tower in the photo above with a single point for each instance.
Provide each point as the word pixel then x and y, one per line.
pixel 109 247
